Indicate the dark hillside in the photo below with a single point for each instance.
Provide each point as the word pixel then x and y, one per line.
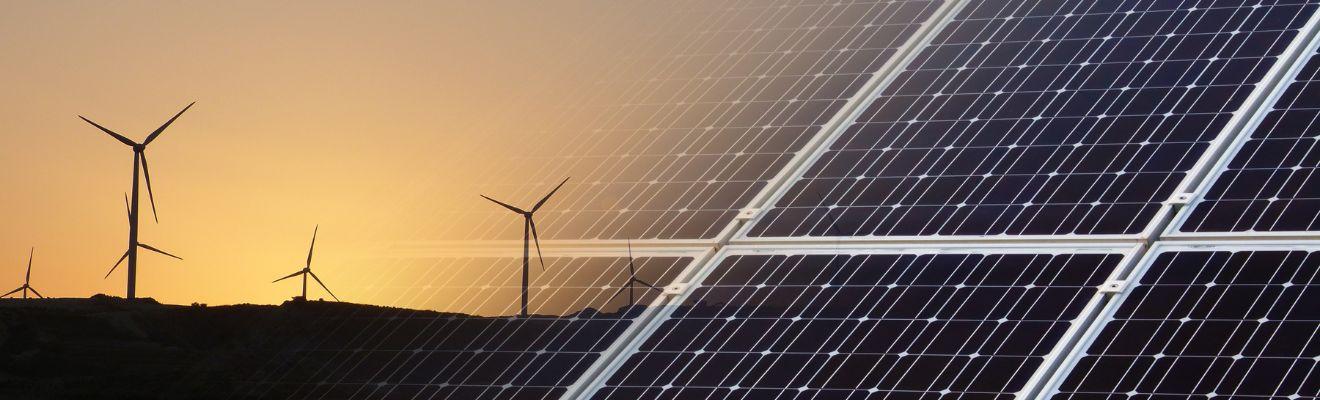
pixel 110 348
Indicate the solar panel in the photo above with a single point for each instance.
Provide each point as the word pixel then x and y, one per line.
pixel 1270 184
pixel 713 104
pixel 1205 324
pixel 838 326
pixel 471 347
pixel 1041 118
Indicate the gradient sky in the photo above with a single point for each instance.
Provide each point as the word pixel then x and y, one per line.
pixel 337 114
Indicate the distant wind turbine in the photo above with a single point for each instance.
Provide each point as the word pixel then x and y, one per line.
pixel 139 169
pixel 27 280
pixel 307 270
pixel 529 226
pixel 632 280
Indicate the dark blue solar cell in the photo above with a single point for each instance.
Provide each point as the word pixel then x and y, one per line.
pixel 1270 184
pixel 1206 324
pixel 1026 118
pixel 852 326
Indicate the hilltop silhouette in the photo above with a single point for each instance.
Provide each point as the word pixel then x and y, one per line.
pixel 108 347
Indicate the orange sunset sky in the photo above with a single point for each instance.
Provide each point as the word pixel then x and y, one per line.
pixel 363 119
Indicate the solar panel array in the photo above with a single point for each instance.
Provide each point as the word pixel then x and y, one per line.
pixel 475 350
pixel 1044 118
pixel 852 326
pixel 1050 118
pixel 1209 324
pixel 681 133
pixel 1271 185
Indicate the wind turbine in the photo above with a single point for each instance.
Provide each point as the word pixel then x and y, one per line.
pixel 632 280
pixel 307 270
pixel 529 226
pixel 139 168
pixel 27 280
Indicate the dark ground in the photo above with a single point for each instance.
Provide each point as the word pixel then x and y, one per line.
pixel 111 348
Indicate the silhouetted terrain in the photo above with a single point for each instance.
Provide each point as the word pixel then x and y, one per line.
pixel 110 348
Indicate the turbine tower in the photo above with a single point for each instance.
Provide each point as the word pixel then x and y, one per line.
pixel 632 280
pixel 307 270
pixel 529 226
pixel 27 280
pixel 139 169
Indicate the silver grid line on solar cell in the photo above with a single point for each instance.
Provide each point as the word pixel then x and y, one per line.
pixel 1302 51
pixel 1050 363
pixel 1133 280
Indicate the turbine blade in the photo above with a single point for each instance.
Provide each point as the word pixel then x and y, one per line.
pixel 20 288
pixel 318 280
pixel 287 277
pixel 617 293
pixel 515 209
pixel 532 222
pixel 127 208
pixel 121 261
pixel 166 125
pixel 159 251
pixel 34 290
pixel 648 285
pixel 313 248
pixel 28 278
pixel 547 196
pixel 121 138
pixel 146 172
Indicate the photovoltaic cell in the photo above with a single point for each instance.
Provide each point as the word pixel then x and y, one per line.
pixel 1041 117
pixel 472 348
pixel 1271 183
pixel 863 326
pixel 701 121
pixel 1208 325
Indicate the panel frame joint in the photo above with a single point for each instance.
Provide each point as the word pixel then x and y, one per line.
pixel 747 214
pixel 676 288
pixel 1113 286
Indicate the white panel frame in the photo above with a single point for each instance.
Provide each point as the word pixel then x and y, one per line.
pixel 1051 387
